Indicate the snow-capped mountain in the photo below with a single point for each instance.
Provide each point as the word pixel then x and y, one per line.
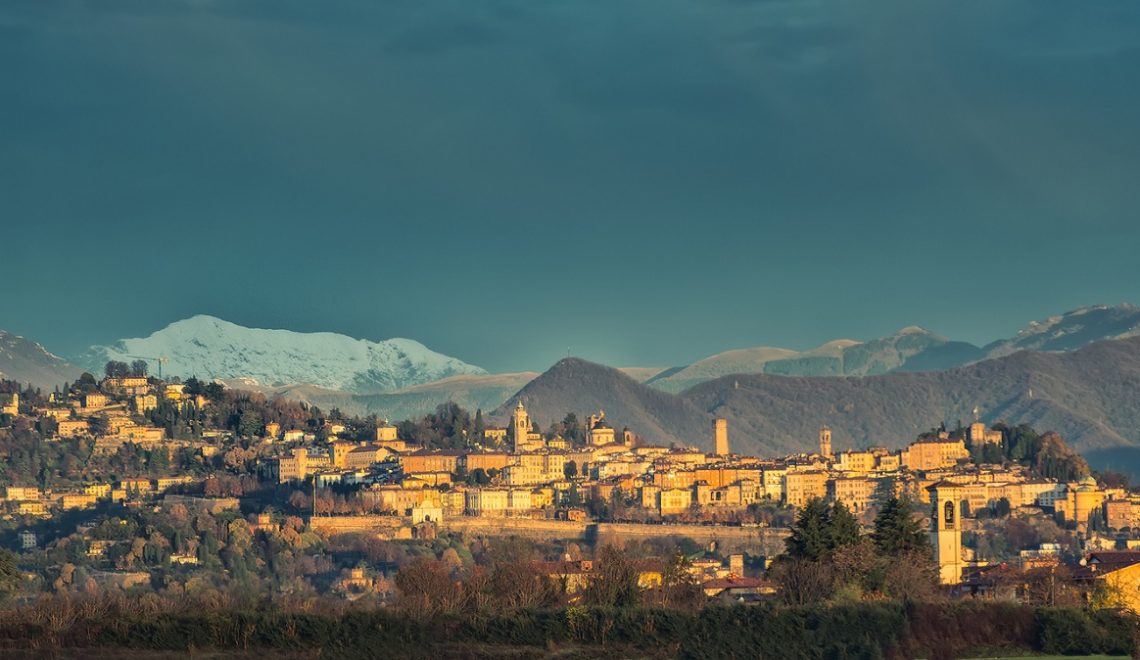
pixel 208 347
pixel 25 361
pixel 1072 330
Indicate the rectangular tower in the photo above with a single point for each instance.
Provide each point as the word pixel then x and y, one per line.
pixel 720 437
pixel 946 531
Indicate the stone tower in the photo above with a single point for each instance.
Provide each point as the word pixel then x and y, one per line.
pixel 825 442
pixel 946 530
pixel 720 437
pixel 520 426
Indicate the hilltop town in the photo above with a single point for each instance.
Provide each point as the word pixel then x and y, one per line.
pixel 135 482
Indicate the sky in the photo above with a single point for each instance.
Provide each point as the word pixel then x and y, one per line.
pixel 637 182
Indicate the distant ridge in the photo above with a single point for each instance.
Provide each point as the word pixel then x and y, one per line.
pixel 25 361
pixel 1072 330
pixel 576 385
pixel 912 348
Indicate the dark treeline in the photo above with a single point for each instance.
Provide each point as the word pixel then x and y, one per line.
pixel 886 630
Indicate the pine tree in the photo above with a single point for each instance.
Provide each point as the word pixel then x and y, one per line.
pixel 842 527
pixel 810 538
pixel 897 531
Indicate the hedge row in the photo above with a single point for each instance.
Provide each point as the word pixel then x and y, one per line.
pixel 870 630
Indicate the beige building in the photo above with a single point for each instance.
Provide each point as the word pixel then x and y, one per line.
pixel 77 501
pixel 980 435
pixel 163 484
pixel 801 487
pixel 22 493
pixel 93 400
pixel 140 485
pixel 856 493
pixel 141 435
pixel 98 490
pixel 934 454
pixel 495 435
pixel 485 461
pixel 297 466
pixel 32 509
pixel 772 483
pixel 497 501
pixel 1121 514
pixel 365 456
pixel 429 461
pixel 1080 500
pixel 598 432
pixel 11 405
pixel 856 461
pixel 671 501
pixel 127 386
pixel 145 402
pixel 674 478
pixel 718 476
pixel 338 452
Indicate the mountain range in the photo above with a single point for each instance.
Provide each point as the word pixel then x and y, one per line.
pixel 910 349
pixel 1088 395
pixel 210 348
pixel 1073 372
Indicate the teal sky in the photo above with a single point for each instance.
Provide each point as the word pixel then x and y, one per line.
pixel 641 181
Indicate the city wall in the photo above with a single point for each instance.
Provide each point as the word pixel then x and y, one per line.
pixel 757 540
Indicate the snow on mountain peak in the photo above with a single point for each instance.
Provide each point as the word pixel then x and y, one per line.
pixel 209 347
pixel 1073 329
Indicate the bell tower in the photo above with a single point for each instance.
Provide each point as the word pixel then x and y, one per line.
pixel 825 442
pixel 946 531
pixel 520 427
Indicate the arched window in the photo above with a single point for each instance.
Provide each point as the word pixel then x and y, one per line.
pixel 948 515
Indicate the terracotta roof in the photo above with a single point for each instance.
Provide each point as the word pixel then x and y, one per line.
pixel 1108 561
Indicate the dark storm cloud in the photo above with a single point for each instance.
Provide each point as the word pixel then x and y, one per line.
pixel 732 172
